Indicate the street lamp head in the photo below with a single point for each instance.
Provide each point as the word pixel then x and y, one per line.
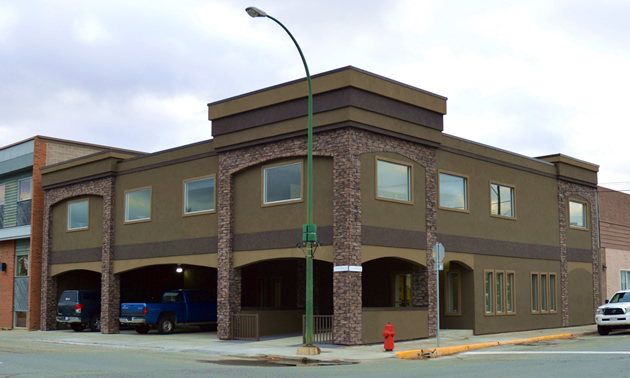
pixel 255 12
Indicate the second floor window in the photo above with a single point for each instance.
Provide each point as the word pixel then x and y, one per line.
pixel 138 205
pixel 24 189
pixel 577 214
pixel 453 192
pixel 393 181
pixel 78 215
pixel 282 183
pixel 501 200
pixel 199 195
pixel 2 194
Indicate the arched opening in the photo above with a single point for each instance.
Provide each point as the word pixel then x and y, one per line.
pixel 276 291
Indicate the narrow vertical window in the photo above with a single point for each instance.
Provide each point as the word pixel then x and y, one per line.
pixel 509 292
pixel 534 296
pixel 454 289
pixel 403 290
pixel 552 292
pixel 453 192
pixel 543 293
pixel 499 276
pixel 577 214
pixel 2 194
pixel 488 291
pixel 393 180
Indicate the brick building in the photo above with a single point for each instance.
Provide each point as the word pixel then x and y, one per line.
pixel 21 219
pixel 519 232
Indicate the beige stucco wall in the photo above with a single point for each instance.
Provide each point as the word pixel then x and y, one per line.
pixel 616 260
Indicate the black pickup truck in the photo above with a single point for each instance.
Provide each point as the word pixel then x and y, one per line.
pixel 80 309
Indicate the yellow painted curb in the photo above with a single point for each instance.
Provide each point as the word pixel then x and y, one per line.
pixel 445 351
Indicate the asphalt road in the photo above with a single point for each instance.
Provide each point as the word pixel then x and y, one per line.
pixel 584 356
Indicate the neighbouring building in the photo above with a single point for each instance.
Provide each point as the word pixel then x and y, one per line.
pixel 614 225
pixel 520 233
pixel 21 219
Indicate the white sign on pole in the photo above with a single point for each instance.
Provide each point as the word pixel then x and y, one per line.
pixel 438 256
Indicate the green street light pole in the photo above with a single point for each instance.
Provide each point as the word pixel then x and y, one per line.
pixel 309 230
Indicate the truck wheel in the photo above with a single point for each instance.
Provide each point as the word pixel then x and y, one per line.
pixel 142 329
pixel 77 327
pixel 603 330
pixel 95 323
pixel 165 325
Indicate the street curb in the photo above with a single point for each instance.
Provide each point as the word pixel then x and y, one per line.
pixel 445 351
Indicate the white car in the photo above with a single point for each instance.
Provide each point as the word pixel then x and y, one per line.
pixel 614 314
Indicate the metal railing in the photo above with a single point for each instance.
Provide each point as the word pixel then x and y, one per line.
pixel 322 329
pixel 245 327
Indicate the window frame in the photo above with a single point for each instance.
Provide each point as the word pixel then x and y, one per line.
pixel 30 190
pixel 585 214
pixel 410 178
pixel 127 192
pixel 510 295
pixel 185 196
pixel 68 228
pixel 534 292
pixel 547 295
pixel 466 191
pixel 544 293
pixel 512 199
pixel 626 273
pixel 263 184
pixel 496 299
pixel 448 301
pixel 553 293
pixel 489 302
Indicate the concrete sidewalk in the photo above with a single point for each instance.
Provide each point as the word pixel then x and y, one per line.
pixel 285 347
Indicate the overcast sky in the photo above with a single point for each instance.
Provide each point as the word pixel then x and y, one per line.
pixel 535 77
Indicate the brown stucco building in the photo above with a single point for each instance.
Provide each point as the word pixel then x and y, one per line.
pixel 520 233
pixel 21 220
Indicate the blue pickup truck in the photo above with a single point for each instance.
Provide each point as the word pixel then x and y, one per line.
pixel 184 307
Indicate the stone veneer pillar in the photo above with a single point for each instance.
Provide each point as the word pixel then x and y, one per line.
pixel 110 283
pixel 346 147
pixel 349 145
pixel 566 189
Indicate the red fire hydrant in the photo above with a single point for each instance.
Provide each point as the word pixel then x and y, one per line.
pixel 389 334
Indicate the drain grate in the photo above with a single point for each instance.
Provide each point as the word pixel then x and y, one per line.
pixel 275 361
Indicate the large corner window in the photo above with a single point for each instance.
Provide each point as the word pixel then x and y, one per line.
pixel 393 180
pixel 199 195
pixel 24 189
pixel 138 205
pixel 453 192
pixel 78 215
pixel 501 200
pixel 282 183
pixel 577 214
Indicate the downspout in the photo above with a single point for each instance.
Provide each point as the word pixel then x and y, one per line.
pixel 599 252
